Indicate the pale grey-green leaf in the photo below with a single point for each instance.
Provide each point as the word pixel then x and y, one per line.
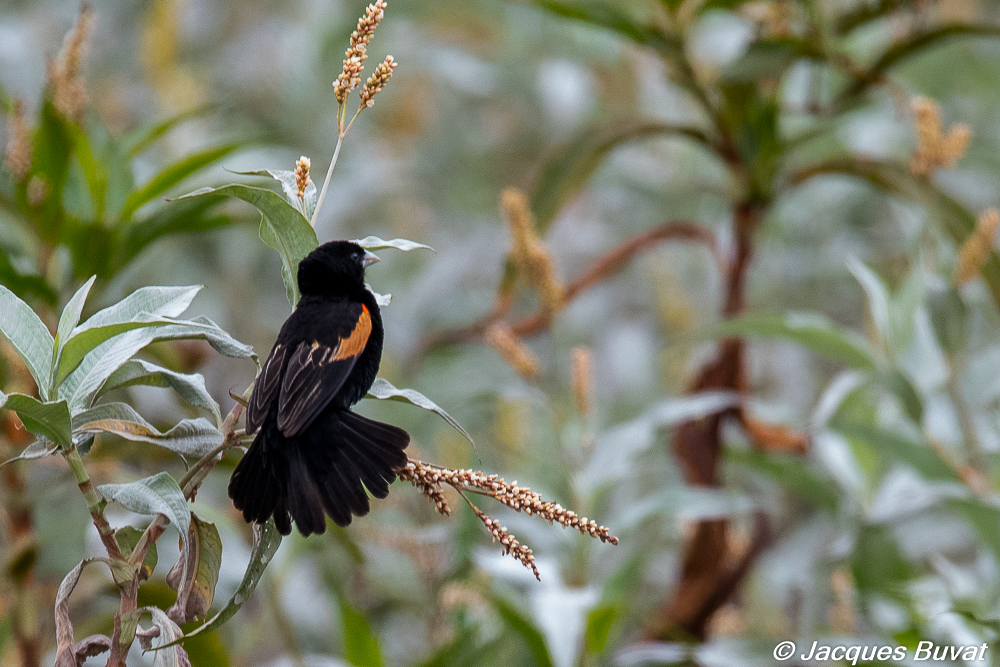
pixel 190 387
pixel 38 449
pixel 375 243
pixel 31 339
pixel 189 437
pixel 158 494
pixel 878 297
pixel 70 318
pixel 382 300
pixel 383 390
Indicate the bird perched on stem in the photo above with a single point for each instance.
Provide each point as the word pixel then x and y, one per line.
pixel 312 455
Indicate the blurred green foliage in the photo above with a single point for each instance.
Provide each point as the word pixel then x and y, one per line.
pixel 785 122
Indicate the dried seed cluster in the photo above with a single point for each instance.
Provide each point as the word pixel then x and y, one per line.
pixel 511 545
pixel 18 155
pixel 976 248
pixel 64 73
pixel 529 254
pixel 429 479
pixel 377 81
pixel 302 175
pixel 512 349
pixel 356 53
pixel 936 149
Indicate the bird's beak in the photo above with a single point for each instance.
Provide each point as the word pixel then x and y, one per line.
pixel 369 258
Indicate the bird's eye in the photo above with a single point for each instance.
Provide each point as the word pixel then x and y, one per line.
pixel 355 256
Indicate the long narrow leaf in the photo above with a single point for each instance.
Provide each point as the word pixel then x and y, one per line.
pixel 173 175
pixel 383 390
pixel 190 387
pixel 189 437
pixel 45 420
pixel 143 138
pixel 25 331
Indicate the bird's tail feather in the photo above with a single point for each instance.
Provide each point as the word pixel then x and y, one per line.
pixel 324 471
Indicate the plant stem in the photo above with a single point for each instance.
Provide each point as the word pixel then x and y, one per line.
pixel 95 501
pixel 326 181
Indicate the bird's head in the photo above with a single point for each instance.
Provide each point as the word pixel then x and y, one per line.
pixel 335 268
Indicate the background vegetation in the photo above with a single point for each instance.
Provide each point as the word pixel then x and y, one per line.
pixel 754 242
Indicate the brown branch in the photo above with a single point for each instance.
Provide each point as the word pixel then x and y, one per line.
pixel 604 267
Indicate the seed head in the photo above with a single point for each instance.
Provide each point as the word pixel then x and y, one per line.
pixel 356 54
pixel 936 149
pixel 529 254
pixel 377 81
pixel 18 156
pixel 302 175
pixel 512 350
pixel 64 73
pixel 976 249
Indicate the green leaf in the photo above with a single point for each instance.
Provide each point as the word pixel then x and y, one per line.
pixel 790 472
pixel 600 621
pixel 86 340
pixel 189 437
pixel 984 519
pixel 82 386
pixel 168 652
pixel 375 243
pixel 383 390
pixel 878 564
pixel 31 339
pixel 50 164
pixel 891 447
pixel 190 387
pixel 564 174
pixel 949 318
pixel 71 317
pixel 158 494
pixel 266 540
pixel 127 538
pixel 767 59
pixel 914 45
pixel 45 420
pixel 306 205
pixel 523 626
pixel 903 389
pixel 878 298
pixel 605 15
pixel 173 175
pixel 143 138
pixel 360 645
pixel 282 228
pixel 810 330
pixel 196 573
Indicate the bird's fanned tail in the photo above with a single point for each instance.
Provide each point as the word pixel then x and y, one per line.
pixel 324 471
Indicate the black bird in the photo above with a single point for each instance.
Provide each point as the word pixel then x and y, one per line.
pixel 312 454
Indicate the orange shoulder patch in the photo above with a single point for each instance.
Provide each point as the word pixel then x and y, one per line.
pixel 354 343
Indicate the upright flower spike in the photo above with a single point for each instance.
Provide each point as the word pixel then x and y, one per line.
pixel 377 81
pixel 18 156
pixel 529 254
pixel 976 248
pixel 64 73
pixel 936 149
pixel 581 378
pixel 513 351
pixel 356 54
pixel 302 175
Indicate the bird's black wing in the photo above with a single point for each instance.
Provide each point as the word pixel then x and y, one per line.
pixel 265 390
pixel 315 371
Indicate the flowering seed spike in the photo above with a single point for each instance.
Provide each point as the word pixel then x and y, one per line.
pixel 976 249
pixel 18 156
pixel 936 149
pixel 377 81
pixel 512 349
pixel 356 53
pixel 64 73
pixel 302 175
